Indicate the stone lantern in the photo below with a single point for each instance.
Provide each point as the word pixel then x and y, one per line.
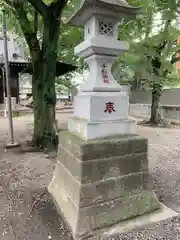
pixel 101 176
pixel 101 108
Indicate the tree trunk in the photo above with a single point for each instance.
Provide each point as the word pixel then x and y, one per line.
pixel 43 88
pixel 155 107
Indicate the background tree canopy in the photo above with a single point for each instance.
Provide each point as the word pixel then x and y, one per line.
pixel 150 62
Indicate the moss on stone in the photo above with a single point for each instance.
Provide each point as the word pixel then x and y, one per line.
pixel 77 138
pixel 124 208
pixel 103 147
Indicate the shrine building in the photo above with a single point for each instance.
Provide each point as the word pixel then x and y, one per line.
pixel 18 64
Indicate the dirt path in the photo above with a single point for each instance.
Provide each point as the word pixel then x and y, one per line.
pixel 27 211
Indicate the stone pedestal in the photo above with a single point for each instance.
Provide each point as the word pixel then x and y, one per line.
pixel 98 183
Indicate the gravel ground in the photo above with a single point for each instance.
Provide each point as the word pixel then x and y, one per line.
pixel 27 211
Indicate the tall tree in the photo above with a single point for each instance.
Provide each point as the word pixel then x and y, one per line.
pixel 43 52
pixel 153 50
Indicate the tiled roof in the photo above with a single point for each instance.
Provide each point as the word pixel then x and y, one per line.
pixel 14 52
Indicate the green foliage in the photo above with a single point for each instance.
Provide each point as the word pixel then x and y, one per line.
pixel 152 39
pixel 65 83
pixel 68 39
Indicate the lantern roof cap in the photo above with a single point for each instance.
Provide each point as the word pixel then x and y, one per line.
pixel 116 9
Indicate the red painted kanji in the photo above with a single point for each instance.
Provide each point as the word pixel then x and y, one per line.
pixel 109 107
pixel 104 73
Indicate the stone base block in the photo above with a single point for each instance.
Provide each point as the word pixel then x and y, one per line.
pixel 92 130
pixel 142 222
pixel 99 183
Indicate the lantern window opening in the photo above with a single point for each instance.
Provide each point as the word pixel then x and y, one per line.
pixel 89 29
pixel 106 28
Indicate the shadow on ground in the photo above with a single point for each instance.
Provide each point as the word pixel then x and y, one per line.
pixel 43 223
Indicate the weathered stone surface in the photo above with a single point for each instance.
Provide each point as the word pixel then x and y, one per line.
pixel 147 181
pixel 103 147
pixel 65 206
pixel 84 220
pixel 67 183
pixel 88 194
pixel 112 188
pixel 95 170
pixel 111 212
pixel 96 193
